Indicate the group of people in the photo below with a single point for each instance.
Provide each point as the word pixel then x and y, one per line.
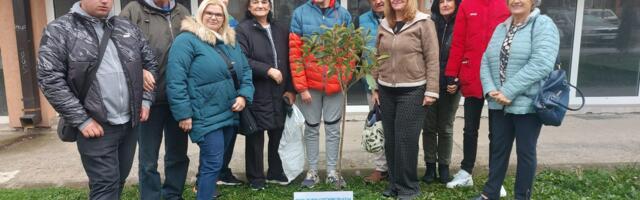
pixel 484 50
pixel 161 72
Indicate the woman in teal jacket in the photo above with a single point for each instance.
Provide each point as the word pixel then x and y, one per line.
pixel 200 87
pixel 521 53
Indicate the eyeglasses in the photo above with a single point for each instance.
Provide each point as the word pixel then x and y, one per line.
pixel 260 2
pixel 212 15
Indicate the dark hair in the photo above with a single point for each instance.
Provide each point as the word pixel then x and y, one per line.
pixel 248 15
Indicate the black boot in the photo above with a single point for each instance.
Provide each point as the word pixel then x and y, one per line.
pixel 430 174
pixel 443 171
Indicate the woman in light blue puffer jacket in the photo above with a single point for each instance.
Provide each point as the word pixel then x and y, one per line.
pixel 512 66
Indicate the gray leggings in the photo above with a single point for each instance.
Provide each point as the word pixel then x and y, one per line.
pixel 327 108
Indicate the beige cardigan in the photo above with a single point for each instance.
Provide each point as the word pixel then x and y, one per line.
pixel 414 55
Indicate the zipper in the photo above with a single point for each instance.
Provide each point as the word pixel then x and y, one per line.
pixel 127 78
pixel 170 26
pixel 393 60
pixel 444 33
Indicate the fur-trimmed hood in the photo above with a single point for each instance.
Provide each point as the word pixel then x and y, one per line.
pixel 190 24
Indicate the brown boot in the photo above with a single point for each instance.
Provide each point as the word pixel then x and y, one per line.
pixel 375 177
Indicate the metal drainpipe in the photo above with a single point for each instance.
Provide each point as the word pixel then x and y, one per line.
pixel 26 57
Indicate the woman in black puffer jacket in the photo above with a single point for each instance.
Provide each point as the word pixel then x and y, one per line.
pixel 266 45
pixel 437 132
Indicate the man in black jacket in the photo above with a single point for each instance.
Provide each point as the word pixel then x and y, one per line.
pixel 160 22
pixel 112 108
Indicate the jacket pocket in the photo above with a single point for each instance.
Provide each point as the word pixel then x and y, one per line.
pixel 416 68
pixel 209 100
pixel 76 76
pixel 465 72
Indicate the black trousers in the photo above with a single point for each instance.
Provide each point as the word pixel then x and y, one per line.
pixel 254 161
pixel 107 160
pixel 402 120
pixel 472 113
pixel 524 129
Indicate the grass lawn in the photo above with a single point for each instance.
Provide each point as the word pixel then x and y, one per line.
pixel 621 183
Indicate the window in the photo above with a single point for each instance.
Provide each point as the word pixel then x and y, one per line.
pixel 563 13
pixel 185 3
pixel 62 7
pixel 610 49
pixel 283 9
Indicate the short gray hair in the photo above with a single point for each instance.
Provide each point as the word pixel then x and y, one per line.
pixel 536 3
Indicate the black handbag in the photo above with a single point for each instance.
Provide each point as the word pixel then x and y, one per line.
pixel 248 124
pixel 68 133
pixel 552 101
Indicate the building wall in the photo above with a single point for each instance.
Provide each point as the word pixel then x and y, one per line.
pixel 39 21
pixel 10 63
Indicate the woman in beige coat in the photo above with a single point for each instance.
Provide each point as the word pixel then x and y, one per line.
pixel 408 81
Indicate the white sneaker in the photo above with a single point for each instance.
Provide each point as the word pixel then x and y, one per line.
pixel 461 179
pixel 503 192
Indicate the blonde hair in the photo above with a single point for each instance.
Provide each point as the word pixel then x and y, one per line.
pixel 226 32
pixel 410 11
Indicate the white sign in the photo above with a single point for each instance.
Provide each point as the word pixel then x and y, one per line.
pixel 323 195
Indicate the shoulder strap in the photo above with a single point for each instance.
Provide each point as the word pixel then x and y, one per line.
pixel 229 63
pixel 93 68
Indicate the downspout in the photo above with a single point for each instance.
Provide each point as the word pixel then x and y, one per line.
pixel 26 58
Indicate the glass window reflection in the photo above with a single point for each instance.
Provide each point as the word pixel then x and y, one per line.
pixel 610 48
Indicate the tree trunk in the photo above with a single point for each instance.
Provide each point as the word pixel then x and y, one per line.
pixel 343 121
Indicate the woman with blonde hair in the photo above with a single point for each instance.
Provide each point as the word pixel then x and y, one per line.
pixel 208 82
pixel 522 52
pixel 407 83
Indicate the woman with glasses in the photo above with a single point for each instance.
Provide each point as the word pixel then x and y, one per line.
pixel 208 82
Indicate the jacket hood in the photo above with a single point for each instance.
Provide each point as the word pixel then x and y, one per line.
pixel 435 10
pixel 78 10
pixel 189 24
pixel 152 5
pixel 419 17
pixel 532 15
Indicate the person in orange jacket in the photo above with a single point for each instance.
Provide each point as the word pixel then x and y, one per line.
pixel 321 94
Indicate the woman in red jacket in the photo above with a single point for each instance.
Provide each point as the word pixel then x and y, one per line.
pixel 475 23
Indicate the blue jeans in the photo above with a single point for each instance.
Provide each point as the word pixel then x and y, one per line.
pixel 229 146
pixel 211 156
pixel 176 162
pixel 505 128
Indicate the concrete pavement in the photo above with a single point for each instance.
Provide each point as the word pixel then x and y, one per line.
pixel 38 159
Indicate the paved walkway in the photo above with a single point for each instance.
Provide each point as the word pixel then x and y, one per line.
pixel 38 158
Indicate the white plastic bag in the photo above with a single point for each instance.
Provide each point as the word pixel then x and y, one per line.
pixel 291 148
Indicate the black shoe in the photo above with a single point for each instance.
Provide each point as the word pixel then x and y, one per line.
pixel 389 193
pixel 229 180
pixel 430 174
pixel 282 180
pixel 443 172
pixel 257 185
